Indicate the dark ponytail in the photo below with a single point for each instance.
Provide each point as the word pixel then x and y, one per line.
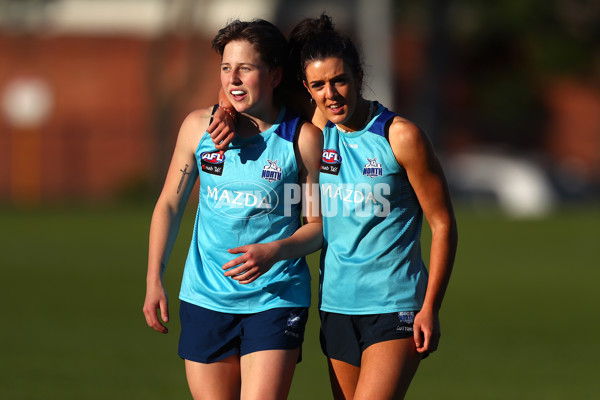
pixel 316 39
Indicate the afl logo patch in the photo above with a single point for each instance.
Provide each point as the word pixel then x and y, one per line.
pixel 331 161
pixel 212 162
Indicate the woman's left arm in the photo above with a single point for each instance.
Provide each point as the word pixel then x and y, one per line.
pixel 416 155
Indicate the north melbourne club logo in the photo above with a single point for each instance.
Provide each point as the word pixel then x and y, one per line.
pixel 372 168
pixel 271 172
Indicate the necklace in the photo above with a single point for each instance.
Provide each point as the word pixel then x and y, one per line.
pixel 369 116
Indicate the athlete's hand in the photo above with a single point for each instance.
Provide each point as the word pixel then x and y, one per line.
pixel 221 130
pixel 256 259
pixel 426 329
pixel 156 299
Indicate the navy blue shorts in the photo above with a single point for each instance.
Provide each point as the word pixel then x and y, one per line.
pixel 345 337
pixel 208 336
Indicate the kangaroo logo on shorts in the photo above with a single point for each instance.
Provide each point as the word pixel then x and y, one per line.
pixel 293 324
pixel 212 162
pixel 406 320
pixel 271 172
pixel 293 321
pixel 372 168
pixel 331 161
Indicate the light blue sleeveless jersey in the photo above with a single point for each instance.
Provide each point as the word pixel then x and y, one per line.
pixel 242 202
pixel 371 258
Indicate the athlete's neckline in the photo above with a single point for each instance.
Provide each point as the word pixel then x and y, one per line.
pixel 265 133
pixel 377 111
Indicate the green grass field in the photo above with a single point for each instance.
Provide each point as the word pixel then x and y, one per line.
pixel 520 318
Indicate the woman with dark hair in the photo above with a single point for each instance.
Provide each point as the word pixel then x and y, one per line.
pixel 379 176
pixel 246 286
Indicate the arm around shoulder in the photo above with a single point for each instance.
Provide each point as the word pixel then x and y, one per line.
pixel 309 151
pixel 222 128
pixel 309 237
pixel 259 257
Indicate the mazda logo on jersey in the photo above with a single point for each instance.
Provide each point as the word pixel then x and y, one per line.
pixel 241 199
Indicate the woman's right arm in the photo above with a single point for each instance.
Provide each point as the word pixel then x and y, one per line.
pixel 168 212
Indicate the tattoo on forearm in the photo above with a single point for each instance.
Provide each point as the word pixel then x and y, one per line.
pixel 184 171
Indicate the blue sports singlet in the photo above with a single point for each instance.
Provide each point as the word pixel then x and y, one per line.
pixel 242 202
pixel 371 258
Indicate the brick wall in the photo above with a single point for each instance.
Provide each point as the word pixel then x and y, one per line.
pixel 101 134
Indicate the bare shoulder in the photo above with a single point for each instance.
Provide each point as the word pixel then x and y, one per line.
pixel 198 120
pixel 407 140
pixel 310 141
pixel 309 132
pixel 194 126
pixel 405 132
pixel 309 148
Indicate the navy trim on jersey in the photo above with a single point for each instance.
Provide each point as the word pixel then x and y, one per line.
pixel 379 125
pixel 288 127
